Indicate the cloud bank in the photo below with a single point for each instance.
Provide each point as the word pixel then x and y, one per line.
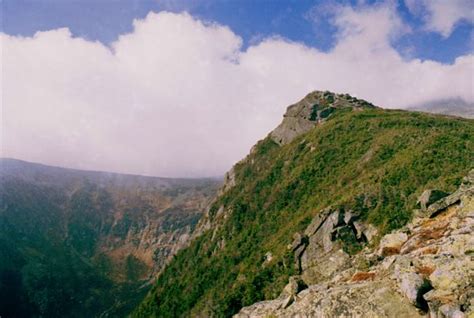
pixel 441 16
pixel 179 97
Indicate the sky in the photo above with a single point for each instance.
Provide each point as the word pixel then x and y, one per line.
pixel 185 88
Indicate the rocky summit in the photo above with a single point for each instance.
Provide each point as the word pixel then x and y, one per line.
pixel 425 268
pixel 314 108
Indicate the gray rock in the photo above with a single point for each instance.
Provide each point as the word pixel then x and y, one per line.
pixel 287 302
pixel 317 221
pixel 349 217
pixel 268 257
pixel 323 237
pixel 410 284
pixel 453 275
pixel 366 299
pixel 311 110
pixel 294 286
pixel 229 181
pixel 298 240
pixel 365 230
pixel 451 311
pixel 430 196
pixel 325 266
pixel 392 243
pixel 441 205
pixel 298 255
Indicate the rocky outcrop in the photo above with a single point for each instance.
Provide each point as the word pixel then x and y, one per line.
pixel 423 269
pixel 430 196
pixel 323 250
pixel 315 108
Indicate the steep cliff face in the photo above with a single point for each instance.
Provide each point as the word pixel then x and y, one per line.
pixel 341 181
pixel 425 268
pixel 77 243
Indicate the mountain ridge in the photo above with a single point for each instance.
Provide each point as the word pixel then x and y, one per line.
pixel 369 160
pixel 10 164
pixel 451 106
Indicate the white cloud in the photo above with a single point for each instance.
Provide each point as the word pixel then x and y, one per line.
pixel 178 97
pixel 441 16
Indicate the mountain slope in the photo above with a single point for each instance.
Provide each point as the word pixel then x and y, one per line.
pixel 424 269
pixel 356 157
pixel 80 243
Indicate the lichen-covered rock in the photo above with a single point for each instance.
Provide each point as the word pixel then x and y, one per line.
pixel 365 230
pixel 392 243
pixel 430 196
pixel 329 238
pixel 452 275
pixel 317 221
pixel 451 311
pixel 298 240
pixel 410 284
pixel 363 299
pixel 294 286
pixel 324 267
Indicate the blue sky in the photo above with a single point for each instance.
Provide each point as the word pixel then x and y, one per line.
pixel 105 20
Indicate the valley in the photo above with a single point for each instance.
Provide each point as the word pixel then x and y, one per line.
pixel 78 243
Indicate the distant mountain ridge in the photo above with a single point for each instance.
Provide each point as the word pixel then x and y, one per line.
pixel 53 174
pixel 85 243
pixel 452 106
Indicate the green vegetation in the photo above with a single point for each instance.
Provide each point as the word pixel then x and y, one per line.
pixel 375 162
pixel 60 227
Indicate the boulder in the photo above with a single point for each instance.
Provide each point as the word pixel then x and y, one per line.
pixel 298 240
pixel 323 267
pixel 268 257
pixel 298 253
pixel 288 301
pixel 428 197
pixel 349 217
pixel 360 299
pixel 410 285
pixel 365 230
pixel 437 298
pixel 294 286
pixel 452 276
pixel 322 240
pixel 392 243
pixel 441 205
pixel 451 311
pixel 317 221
